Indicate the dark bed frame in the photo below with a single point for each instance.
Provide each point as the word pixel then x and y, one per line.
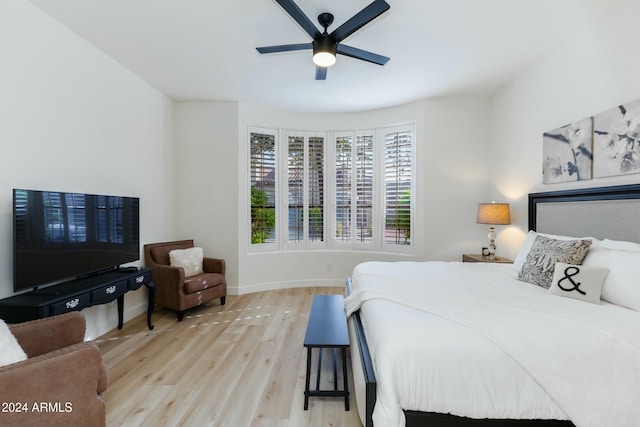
pixel 433 419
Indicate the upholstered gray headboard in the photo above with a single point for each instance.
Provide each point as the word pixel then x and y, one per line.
pixel 604 212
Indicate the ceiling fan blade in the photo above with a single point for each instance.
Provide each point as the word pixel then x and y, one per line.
pixel 360 19
pixel 354 52
pixel 321 73
pixel 284 47
pixel 298 15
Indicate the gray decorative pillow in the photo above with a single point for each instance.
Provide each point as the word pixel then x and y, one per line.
pixel 545 253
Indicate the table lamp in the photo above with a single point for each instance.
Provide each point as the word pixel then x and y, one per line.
pixel 493 214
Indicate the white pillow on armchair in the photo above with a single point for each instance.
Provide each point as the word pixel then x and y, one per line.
pixel 189 259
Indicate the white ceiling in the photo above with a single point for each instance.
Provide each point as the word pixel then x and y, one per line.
pixel 205 49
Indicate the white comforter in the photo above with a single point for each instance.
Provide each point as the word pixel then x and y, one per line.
pixel 472 340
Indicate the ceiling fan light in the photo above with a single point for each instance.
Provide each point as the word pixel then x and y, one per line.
pixel 324 58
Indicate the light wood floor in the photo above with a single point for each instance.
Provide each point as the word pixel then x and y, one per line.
pixel 241 364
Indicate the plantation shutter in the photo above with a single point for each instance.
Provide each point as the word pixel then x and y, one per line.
pixel 295 171
pixel 398 183
pixel 364 188
pixel 263 190
pixel 316 189
pixel 343 162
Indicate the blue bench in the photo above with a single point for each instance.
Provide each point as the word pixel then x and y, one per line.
pixel 327 328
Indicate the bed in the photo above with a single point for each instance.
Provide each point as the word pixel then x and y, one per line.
pixel 453 358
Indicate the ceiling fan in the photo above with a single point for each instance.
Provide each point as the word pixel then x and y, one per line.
pixel 325 46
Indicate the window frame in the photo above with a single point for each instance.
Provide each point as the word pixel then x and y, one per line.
pixel 386 247
pixel 275 245
pixel 306 243
pixel 378 242
pixel 352 243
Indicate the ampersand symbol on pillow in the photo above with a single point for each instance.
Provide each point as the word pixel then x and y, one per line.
pixel 568 276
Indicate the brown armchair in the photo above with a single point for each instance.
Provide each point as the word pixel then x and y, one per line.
pixel 62 381
pixel 173 289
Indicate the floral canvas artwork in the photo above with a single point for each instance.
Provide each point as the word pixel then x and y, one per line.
pixel 617 141
pixel 567 152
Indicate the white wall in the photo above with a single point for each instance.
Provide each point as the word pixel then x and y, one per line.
pixel 594 71
pixel 457 166
pixel 206 136
pixel 451 172
pixel 72 119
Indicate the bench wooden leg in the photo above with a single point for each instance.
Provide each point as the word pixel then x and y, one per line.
pixel 346 382
pixel 307 379
pixel 335 369
pixel 335 392
pixel 319 368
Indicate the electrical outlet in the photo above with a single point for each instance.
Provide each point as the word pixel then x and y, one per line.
pixel 329 266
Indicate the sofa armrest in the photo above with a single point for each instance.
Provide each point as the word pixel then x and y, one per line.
pixel 214 265
pixel 69 382
pixel 168 279
pixel 42 336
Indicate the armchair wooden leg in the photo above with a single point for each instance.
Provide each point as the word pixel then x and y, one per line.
pixel 223 300
pixel 180 316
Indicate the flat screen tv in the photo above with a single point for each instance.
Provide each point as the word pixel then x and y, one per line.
pixel 63 236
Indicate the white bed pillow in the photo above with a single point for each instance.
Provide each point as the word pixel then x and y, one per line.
pixel 621 286
pixel 10 350
pixel 189 259
pixel 578 282
pixel 620 244
pixel 545 253
pixel 524 250
pixel 531 236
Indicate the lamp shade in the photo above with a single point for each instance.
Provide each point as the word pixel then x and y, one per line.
pixel 494 213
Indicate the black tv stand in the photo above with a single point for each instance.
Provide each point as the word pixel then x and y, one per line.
pixel 78 294
pixel 45 291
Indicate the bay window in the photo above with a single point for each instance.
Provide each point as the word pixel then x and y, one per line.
pixel 334 190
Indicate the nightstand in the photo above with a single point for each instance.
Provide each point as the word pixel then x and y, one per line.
pixel 482 258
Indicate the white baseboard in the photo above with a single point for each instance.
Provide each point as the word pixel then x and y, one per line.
pixel 272 286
